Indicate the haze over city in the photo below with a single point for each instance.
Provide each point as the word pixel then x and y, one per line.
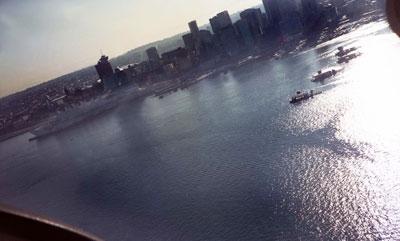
pixel 44 39
pixel 275 125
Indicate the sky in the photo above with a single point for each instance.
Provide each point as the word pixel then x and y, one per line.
pixel 43 39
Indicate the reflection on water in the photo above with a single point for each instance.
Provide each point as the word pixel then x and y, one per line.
pixel 230 159
pixel 351 190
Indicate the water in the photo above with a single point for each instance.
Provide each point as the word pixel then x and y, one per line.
pixel 230 159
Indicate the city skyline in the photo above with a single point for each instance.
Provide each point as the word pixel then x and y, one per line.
pixel 33 51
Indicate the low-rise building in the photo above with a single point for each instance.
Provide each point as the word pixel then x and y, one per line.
pixel 178 60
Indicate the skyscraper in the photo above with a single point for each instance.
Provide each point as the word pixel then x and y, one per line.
pixel 229 40
pixel 220 21
pixel 194 29
pixel 207 48
pixel 225 32
pixel 291 17
pixel 310 9
pixel 195 32
pixel 104 68
pixel 253 17
pixel 244 32
pixel 106 73
pixel 273 11
pixel 289 8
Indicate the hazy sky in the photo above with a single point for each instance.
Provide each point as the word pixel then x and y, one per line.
pixel 43 39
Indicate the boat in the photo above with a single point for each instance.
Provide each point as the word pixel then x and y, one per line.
pixel 303 96
pixel 86 111
pixel 346 59
pixel 71 117
pixel 323 76
pixel 343 52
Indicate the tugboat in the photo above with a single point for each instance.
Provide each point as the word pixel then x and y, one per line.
pixel 343 52
pixel 303 96
pixel 346 59
pixel 323 76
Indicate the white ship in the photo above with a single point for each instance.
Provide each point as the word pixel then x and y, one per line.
pixel 85 111
pixel 72 116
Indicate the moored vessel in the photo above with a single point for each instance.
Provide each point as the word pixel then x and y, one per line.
pixel 303 96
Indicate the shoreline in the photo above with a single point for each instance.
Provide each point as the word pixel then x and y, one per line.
pixel 279 50
pixel 25 130
pixel 266 51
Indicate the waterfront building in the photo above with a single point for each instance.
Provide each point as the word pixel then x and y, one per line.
pixel 205 36
pixel 195 32
pixel 143 67
pixel 225 32
pixel 199 42
pixel 154 58
pixel 291 22
pixel 245 36
pixel 254 20
pixel 340 5
pixel 139 72
pixel 311 10
pixel 207 47
pixel 178 60
pixel 354 8
pixel 189 42
pixel 104 67
pixel 152 54
pixel 291 26
pixel 220 21
pixel 266 21
pixel 309 6
pixel 229 40
pixel 106 73
pixel 330 12
pixel 288 8
pixel 122 76
pixel 194 29
pixel 273 11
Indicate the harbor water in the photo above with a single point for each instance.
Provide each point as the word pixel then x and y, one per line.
pixel 229 158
